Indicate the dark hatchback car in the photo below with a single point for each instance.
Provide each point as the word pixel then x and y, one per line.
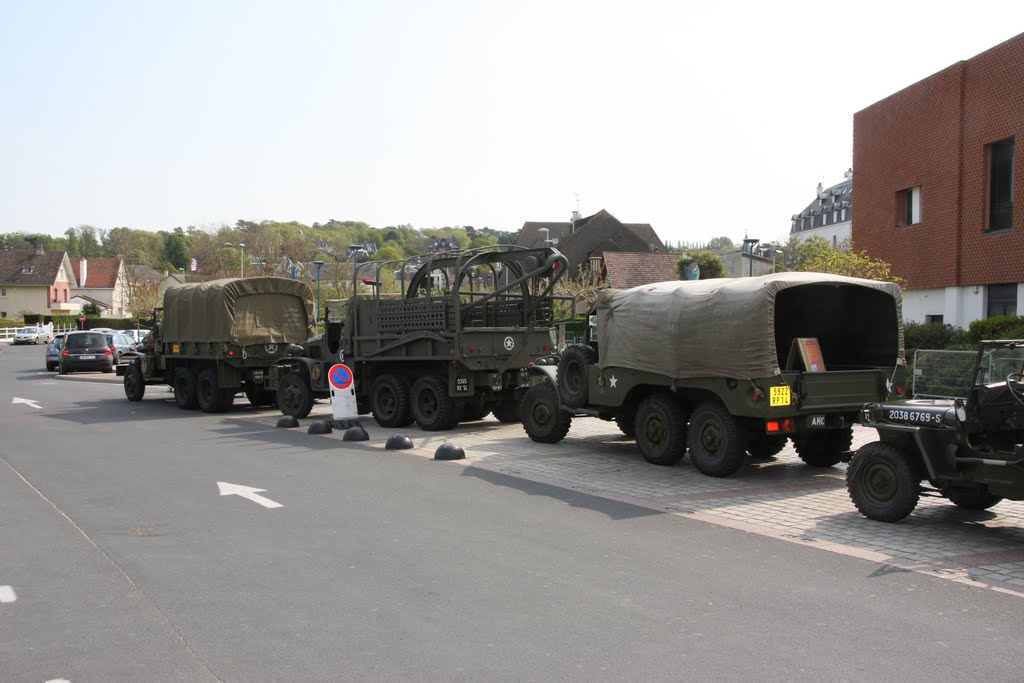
pixel 86 351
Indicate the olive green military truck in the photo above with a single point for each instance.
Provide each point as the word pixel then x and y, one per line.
pixel 211 340
pixel 727 367
pixel 453 344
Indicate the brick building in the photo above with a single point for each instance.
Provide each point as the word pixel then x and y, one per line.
pixel 938 184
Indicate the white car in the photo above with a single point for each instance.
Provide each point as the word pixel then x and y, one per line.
pixel 31 335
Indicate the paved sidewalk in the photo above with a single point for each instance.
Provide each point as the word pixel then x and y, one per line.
pixel 781 498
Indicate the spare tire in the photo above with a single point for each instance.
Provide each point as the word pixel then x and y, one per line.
pixel 573 380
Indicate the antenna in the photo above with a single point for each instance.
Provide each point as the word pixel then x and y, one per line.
pixel 577 195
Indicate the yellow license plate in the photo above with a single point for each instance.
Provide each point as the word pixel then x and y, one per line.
pixel 779 396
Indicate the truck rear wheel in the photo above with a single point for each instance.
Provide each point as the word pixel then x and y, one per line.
pixel 971 500
pixel 134 383
pixel 185 388
pixel 258 396
pixel 507 409
pixel 294 396
pixel 661 430
pixel 718 444
pixel 543 418
pixel 431 405
pixel 881 482
pixel 209 395
pixel 573 383
pixel 764 446
pixel 823 449
pixel 389 401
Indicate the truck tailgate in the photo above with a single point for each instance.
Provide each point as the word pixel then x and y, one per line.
pixel 841 389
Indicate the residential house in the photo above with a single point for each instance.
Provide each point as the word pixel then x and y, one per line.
pixel 745 263
pixel 625 269
pixel 583 241
pixel 829 216
pixel 36 282
pixel 101 281
pixel 939 188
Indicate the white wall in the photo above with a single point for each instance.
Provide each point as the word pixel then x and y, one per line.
pixel 958 306
pixel 840 231
pixel 14 300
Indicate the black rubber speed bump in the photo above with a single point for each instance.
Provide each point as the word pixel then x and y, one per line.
pixel 356 433
pixel 449 451
pixel 398 442
pixel 319 427
pixel 287 422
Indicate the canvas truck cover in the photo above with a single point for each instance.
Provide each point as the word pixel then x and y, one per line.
pixel 734 327
pixel 255 310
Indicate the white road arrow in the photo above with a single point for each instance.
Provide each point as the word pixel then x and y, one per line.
pixel 27 401
pixel 7 594
pixel 247 492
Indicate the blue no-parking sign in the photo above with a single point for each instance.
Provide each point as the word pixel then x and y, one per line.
pixel 340 377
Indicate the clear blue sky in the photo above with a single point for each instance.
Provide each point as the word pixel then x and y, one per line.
pixel 703 121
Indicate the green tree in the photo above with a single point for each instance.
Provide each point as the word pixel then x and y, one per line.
pixel 710 265
pixel 720 244
pixel 176 249
pixel 851 264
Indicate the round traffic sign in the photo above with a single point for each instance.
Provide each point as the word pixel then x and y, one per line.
pixel 340 376
pixel 81 318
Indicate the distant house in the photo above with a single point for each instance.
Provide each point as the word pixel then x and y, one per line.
pixel 101 282
pixel 584 241
pixel 623 270
pixel 744 264
pixel 36 282
pixel 829 216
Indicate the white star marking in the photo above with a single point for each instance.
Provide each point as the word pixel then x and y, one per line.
pixel 612 382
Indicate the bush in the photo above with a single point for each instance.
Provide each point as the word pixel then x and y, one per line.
pixel 927 336
pixel 999 327
pixel 10 322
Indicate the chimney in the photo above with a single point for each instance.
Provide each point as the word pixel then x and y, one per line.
pixel 849 174
pixel 83 269
pixel 39 250
pixel 820 188
pixel 575 218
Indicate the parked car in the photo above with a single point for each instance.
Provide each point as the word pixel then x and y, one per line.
pixel 85 350
pixel 31 335
pixel 53 351
pixel 120 342
pixel 137 335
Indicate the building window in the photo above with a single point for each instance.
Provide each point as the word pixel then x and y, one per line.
pixel 908 206
pixel 1002 300
pixel 3 291
pixel 842 215
pixel 934 319
pixel 1000 185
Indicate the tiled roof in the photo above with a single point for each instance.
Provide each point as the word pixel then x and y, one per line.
pixel 100 273
pixel 28 269
pixel 627 269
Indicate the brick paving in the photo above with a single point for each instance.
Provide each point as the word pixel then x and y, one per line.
pixel 779 497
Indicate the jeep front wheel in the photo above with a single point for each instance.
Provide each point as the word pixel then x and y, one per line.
pixel 881 482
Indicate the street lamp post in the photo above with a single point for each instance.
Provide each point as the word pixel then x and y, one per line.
pixel 241 256
pixel 319 265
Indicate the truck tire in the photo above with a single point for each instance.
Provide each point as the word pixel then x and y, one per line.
pixel 258 396
pixel 294 396
pixel 389 401
pixel 134 383
pixel 881 482
pixel 475 409
pixel 626 420
pixel 543 418
pixel 432 407
pixel 971 500
pixel 185 388
pixel 661 430
pixel 506 410
pixel 718 444
pixel 823 449
pixel 573 383
pixel 209 395
pixel 764 446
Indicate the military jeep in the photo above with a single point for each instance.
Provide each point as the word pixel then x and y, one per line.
pixel 969 450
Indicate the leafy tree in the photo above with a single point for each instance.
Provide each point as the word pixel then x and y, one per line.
pixel 720 244
pixel 850 263
pixel 710 265
pixel 176 249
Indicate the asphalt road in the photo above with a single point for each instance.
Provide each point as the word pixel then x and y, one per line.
pixel 127 564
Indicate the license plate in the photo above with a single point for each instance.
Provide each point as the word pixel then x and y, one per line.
pixel 779 396
pixel 87 357
pixel 817 420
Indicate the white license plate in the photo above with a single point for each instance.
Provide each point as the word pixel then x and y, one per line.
pixel 817 420
pixel 87 357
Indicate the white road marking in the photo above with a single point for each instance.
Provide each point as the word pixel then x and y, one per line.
pixel 58 680
pixel 7 594
pixel 26 401
pixel 248 493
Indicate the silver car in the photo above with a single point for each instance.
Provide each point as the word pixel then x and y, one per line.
pixel 31 335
